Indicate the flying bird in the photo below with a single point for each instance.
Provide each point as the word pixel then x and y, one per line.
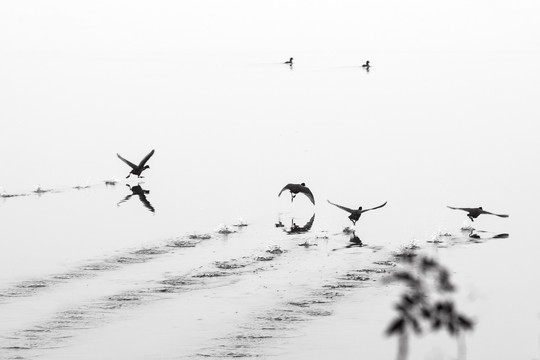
pixel 290 62
pixel 366 65
pixel 298 188
pixel 355 214
pixel 137 169
pixel 473 213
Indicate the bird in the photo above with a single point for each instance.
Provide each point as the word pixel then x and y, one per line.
pixel 298 188
pixel 141 193
pixel 137 169
pixel 473 213
pixel 355 214
pixel 290 62
pixel 366 65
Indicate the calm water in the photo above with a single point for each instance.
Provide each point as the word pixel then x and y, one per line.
pixel 83 275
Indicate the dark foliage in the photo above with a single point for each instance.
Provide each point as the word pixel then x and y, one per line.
pixel 424 278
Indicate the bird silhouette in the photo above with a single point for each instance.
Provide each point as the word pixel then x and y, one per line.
pixel 141 193
pixel 298 188
pixel 366 65
pixel 290 62
pixel 355 214
pixel 137 169
pixel 473 213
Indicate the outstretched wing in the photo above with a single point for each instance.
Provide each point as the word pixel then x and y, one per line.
pixel 376 207
pixel 305 190
pixel 499 215
pixel 464 209
pixel 132 165
pixel 286 187
pixel 342 207
pixel 146 158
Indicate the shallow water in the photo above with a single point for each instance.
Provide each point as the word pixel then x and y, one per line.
pixel 85 274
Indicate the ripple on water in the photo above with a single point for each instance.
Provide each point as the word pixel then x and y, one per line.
pixel 183 244
pixel 264 258
pixel 212 274
pixel 230 264
pixel 150 251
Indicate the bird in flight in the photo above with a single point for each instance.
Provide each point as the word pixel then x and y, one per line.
pixel 473 213
pixel 137 169
pixel 355 214
pixel 298 188
pixel 290 62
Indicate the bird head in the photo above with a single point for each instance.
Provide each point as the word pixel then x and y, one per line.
pixel 147 166
pixel 481 208
pixel 360 208
pixel 303 184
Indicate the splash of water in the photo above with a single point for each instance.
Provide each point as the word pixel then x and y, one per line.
pixel 225 229
pixel 240 222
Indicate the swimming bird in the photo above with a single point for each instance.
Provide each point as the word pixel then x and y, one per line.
pixel 290 62
pixel 366 65
pixel 473 213
pixel 137 169
pixel 298 188
pixel 355 214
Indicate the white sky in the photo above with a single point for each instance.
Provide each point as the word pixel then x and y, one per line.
pixel 247 26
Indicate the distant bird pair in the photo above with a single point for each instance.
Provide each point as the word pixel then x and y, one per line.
pixel 366 65
pixel 302 188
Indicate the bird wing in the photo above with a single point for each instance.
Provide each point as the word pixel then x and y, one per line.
pixel 286 187
pixel 342 207
pixel 132 165
pixel 376 207
pixel 499 215
pixel 305 190
pixel 146 203
pixel 464 209
pixel 146 158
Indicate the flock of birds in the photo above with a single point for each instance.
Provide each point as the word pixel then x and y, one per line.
pixel 295 189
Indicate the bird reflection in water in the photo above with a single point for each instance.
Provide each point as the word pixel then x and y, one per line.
pixel 141 193
pixel 295 229
pixel 354 241
pixel 279 224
